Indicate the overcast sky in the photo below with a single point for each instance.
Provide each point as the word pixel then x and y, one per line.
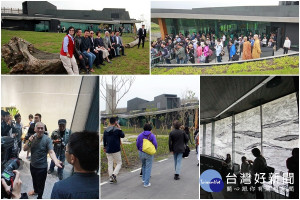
pixel 210 3
pixel 147 87
pixel 137 9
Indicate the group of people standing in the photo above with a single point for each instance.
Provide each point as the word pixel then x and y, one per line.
pixel 178 140
pixel 61 145
pixel 89 50
pixel 198 48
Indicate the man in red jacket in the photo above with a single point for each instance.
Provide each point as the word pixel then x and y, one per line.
pixel 66 53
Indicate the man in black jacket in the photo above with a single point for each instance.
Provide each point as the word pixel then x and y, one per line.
pixel 83 61
pixel 177 144
pixel 111 142
pixel 98 54
pixel 142 36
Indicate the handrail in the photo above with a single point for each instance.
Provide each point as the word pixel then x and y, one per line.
pixel 201 65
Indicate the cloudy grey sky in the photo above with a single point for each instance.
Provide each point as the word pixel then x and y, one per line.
pixel 147 87
pixel 136 10
pixel 210 3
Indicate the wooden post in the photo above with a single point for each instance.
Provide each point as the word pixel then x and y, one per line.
pixel 196 118
pixel 163 28
pixel 123 150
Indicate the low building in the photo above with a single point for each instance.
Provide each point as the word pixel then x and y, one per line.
pixel 44 16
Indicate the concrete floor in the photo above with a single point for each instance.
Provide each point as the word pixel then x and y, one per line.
pixel 51 178
pixel 163 185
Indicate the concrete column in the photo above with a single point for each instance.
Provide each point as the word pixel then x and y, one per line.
pixel 163 27
pixel 261 129
pixel 233 139
pixel 204 139
pixel 213 139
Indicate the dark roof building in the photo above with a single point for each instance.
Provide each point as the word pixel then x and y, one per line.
pixel 161 102
pixel 44 16
pixel 282 20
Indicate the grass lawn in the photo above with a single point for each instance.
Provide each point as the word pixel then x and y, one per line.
pixel 284 65
pixel 155 28
pixel 136 61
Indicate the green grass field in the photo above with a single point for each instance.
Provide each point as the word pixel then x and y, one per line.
pixel 284 65
pixel 136 61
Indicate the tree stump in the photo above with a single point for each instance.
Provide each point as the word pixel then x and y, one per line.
pixel 23 58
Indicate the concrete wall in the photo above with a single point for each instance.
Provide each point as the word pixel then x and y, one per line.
pixel 54 97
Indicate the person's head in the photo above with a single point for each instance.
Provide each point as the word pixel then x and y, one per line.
pixel 176 124
pixel 163 44
pixel 230 42
pixel 190 46
pixel 245 39
pixel 113 121
pixel 71 30
pixel 117 33
pixel 98 33
pixel 39 129
pixel 6 116
pixel 286 37
pixel 106 33
pixel 37 117
pixel 30 117
pixel 244 159
pixel 18 118
pixel 86 33
pixel 91 33
pixel 82 151
pixel 143 26
pixel 255 36
pixel 62 124
pixel 228 156
pixel 112 33
pixel 147 127
pixel 256 152
pixel 295 152
pixel 78 32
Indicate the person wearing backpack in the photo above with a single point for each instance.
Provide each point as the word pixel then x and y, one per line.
pixel 177 141
pixel 145 155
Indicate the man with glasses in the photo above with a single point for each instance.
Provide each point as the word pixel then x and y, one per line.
pixel 83 153
pixel 40 145
pixel 67 51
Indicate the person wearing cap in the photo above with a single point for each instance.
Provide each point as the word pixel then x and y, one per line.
pixel 142 36
pixel 60 137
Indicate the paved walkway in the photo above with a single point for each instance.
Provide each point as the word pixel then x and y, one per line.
pixel 163 185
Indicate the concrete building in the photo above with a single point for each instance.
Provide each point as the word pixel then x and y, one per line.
pixel 161 102
pixel 44 16
pixel 282 19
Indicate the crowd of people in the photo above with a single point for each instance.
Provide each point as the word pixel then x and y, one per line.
pixel 89 50
pixel 259 166
pixel 80 149
pixel 202 48
pixel 147 145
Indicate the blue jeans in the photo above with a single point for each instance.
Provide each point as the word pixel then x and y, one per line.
pixel 177 162
pixel 60 157
pixel 117 51
pixel 219 58
pixel 91 57
pixel 146 166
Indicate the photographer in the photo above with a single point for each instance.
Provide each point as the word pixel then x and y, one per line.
pixel 7 128
pixel 18 126
pixel 83 153
pixel 40 145
pixel 60 138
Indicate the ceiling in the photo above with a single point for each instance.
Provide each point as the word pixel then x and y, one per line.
pixel 217 93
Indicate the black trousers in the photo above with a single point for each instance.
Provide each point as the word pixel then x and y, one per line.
pixel 285 50
pixel 112 53
pixel 99 57
pixel 39 176
pixel 143 41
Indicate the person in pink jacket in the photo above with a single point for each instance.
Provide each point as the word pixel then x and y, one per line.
pixel 206 50
pixel 199 52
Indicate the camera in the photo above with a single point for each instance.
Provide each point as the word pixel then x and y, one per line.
pixel 9 166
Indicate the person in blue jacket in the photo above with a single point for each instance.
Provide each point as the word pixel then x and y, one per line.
pixel 232 50
pixel 146 158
